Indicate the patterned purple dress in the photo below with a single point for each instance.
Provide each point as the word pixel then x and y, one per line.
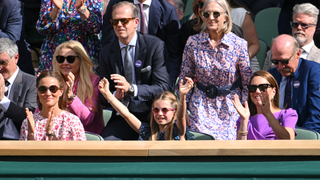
pixel 220 66
pixel 69 26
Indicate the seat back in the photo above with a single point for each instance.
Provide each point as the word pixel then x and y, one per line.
pixel 266 23
pixel 93 137
pixel 306 134
pixel 201 136
pixel 106 116
pixel 261 56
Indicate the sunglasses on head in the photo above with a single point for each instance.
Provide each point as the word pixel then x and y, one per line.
pixel 262 87
pixel 70 59
pixel 124 21
pixel 215 14
pixel 200 4
pixel 283 61
pixel 43 89
pixel 295 24
pixel 164 110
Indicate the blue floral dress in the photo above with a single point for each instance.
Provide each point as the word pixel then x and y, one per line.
pixel 219 66
pixel 70 26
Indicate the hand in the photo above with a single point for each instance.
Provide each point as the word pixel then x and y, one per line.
pixel 119 94
pixel 121 81
pixel 79 3
pixel 185 88
pixel 244 112
pixel 104 88
pixel 70 83
pixel 49 125
pixel 58 3
pixel 2 87
pixel 264 105
pixel 30 121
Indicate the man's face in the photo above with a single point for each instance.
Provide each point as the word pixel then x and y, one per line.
pixel 125 32
pixel 9 65
pixel 180 14
pixel 286 54
pixel 302 35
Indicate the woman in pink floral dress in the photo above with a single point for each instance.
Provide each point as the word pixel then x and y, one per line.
pixel 220 62
pixel 52 122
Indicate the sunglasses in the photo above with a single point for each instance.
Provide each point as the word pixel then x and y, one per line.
pixel 295 24
pixel 215 14
pixel 200 4
pixel 4 63
pixel 70 59
pixel 283 61
pixel 124 21
pixel 43 89
pixel 262 87
pixel 164 110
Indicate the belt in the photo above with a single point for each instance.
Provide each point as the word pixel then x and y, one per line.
pixel 213 91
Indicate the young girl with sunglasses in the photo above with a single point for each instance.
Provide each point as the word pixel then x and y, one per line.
pixel 165 109
pixel 261 118
pixel 52 122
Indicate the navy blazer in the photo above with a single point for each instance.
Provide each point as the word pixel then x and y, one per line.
pixel 306 93
pixel 10 19
pixel 163 23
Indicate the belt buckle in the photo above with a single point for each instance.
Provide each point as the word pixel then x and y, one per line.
pixel 212 91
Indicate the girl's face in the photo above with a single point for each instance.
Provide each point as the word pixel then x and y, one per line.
pixel 263 86
pixel 49 91
pixel 163 112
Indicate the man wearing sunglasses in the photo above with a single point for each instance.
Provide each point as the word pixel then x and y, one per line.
pixel 134 64
pixel 17 91
pixel 305 17
pixel 298 80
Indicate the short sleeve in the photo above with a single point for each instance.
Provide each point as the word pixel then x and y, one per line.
pixel 289 118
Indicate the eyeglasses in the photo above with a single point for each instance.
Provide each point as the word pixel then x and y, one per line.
pixel 283 61
pixel 295 24
pixel 262 87
pixel 43 89
pixel 4 63
pixel 215 14
pixel 124 21
pixel 164 110
pixel 200 4
pixel 70 59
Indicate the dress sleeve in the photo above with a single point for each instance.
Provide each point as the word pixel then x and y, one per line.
pixel 289 118
pixel 24 130
pixel 78 133
pixel 94 23
pixel 144 131
pixel 46 25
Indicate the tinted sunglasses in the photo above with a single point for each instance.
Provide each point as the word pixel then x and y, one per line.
pixel 4 63
pixel 70 59
pixel 262 87
pixel 295 24
pixel 124 21
pixel 200 4
pixel 164 110
pixel 43 89
pixel 215 14
pixel 283 61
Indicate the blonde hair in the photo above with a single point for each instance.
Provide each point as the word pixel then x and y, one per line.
pixel 85 87
pixel 168 96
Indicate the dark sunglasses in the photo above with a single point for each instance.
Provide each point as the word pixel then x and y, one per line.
pixel 283 61
pixel 43 89
pixel 215 14
pixel 4 63
pixel 200 4
pixel 295 24
pixel 262 87
pixel 164 110
pixel 124 21
pixel 70 59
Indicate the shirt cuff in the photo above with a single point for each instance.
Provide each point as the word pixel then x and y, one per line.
pixel 5 103
pixel 135 94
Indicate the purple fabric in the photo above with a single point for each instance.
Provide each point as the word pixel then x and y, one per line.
pixel 259 129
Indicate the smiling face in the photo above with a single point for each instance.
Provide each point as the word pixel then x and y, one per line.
pixel 212 23
pixel 48 98
pixel 303 36
pixel 67 67
pixel 162 118
pixel 10 66
pixel 255 96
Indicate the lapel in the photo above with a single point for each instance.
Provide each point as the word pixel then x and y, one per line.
pixel 154 19
pixel 116 58
pixel 295 91
pixel 314 54
pixel 16 88
pixel 140 55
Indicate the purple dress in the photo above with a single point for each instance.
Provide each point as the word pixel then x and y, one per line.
pixel 219 66
pixel 259 129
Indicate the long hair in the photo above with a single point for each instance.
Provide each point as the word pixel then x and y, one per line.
pixel 266 75
pixel 85 87
pixel 62 99
pixel 168 96
pixel 197 26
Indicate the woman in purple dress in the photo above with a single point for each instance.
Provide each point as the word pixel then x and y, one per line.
pixel 261 118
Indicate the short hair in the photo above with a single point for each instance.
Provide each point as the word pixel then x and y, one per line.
pixel 294 43
pixel 180 5
pixel 9 46
pixel 225 6
pixel 306 8
pixel 134 10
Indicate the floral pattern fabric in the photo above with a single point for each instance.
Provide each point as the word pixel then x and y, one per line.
pixel 219 66
pixel 69 26
pixel 66 127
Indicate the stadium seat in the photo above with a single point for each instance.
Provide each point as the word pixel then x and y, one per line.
pixel 306 134
pixel 93 137
pixel 201 136
pixel 261 56
pixel 106 116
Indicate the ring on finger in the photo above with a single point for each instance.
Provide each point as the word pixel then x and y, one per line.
pixel 263 104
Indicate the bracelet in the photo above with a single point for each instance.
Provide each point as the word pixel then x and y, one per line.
pixel 110 100
pixel 72 97
pixel 50 134
pixel 243 133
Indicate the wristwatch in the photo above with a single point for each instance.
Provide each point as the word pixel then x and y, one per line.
pixel 50 134
pixel 131 90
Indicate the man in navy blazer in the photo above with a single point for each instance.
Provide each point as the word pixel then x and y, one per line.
pixel 305 81
pixel 150 76
pixel 163 22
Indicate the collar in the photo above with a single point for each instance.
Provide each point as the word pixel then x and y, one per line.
pixel 13 77
pixel 147 2
pixel 308 47
pixel 226 40
pixel 132 42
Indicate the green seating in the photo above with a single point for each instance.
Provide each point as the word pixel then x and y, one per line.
pixel 93 137
pixel 261 56
pixel 187 11
pixel 306 134
pixel 201 136
pixel 266 23
pixel 106 116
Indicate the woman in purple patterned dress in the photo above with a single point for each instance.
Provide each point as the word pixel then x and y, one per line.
pixel 219 59
pixel 63 20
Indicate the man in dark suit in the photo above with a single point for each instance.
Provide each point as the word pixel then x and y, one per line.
pixel 134 64
pixel 298 80
pixel 17 91
pixel 161 20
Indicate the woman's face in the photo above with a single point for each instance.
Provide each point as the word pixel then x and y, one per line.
pixel 49 92
pixel 200 5
pixel 163 112
pixel 65 67
pixel 256 96
pixel 214 22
